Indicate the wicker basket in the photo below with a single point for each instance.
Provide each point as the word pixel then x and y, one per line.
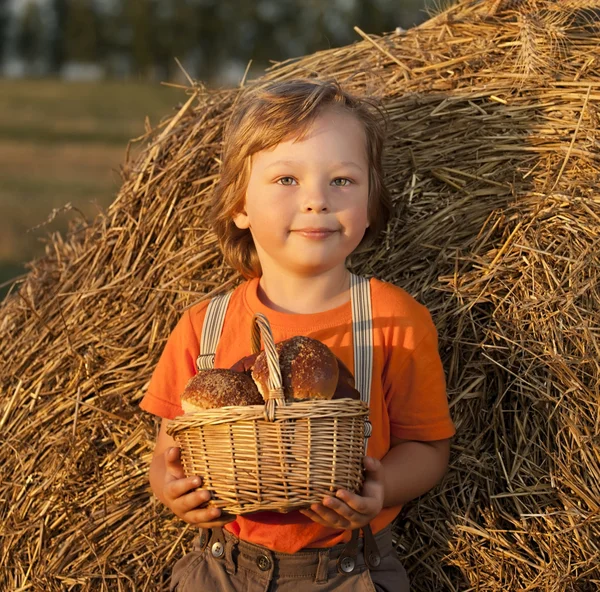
pixel 277 456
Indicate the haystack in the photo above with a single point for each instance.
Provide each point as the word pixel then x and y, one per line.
pixel 494 167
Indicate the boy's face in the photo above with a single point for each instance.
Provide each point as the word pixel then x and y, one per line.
pixel 306 201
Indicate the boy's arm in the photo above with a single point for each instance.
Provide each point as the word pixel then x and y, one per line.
pixel 158 466
pixel 412 468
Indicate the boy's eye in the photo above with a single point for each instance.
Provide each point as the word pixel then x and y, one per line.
pixel 341 182
pixel 286 181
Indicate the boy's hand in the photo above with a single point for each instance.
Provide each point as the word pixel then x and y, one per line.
pixel 182 496
pixel 348 510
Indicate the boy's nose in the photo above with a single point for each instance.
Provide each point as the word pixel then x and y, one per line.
pixel 315 201
pixel 314 208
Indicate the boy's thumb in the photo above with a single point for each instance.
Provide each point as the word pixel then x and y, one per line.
pixel 173 462
pixel 372 465
pixel 172 456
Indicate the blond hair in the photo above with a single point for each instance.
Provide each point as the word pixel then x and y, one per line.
pixel 262 119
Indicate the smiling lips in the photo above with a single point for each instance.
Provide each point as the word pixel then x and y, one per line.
pixel 315 233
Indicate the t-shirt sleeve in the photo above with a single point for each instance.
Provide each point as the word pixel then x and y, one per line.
pixel 177 364
pixel 416 385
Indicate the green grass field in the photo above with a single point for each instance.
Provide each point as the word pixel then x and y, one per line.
pixel 62 143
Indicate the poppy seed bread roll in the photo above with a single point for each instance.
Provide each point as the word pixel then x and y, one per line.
pixel 210 389
pixel 345 386
pixel 309 370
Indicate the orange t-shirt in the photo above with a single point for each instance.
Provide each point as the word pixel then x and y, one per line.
pixel 408 394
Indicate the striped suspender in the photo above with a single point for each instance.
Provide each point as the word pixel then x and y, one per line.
pixel 362 336
pixel 211 331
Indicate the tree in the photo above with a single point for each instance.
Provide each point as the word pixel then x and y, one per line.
pixel 3 28
pixel 31 34
pixel 140 17
pixel 57 42
pixel 147 35
pixel 81 31
pixel 187 35
pixel 177 34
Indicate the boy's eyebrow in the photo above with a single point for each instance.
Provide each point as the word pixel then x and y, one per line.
pixel 348 163
pixel 351 163
pixel 281 162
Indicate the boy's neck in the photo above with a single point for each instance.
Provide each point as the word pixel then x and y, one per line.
pixel 305 295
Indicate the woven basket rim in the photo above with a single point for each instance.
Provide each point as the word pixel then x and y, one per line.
pixel 313 409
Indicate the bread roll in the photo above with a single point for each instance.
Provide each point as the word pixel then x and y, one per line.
pixel 309 370
pixel 219 388
pixel 345 388
pixel 245 364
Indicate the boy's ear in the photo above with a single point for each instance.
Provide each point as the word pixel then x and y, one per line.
pixel 241 220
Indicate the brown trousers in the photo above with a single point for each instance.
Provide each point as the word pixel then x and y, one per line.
pixel 219 562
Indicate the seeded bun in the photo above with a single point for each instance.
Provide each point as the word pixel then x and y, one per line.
pixel 219 388
pixel 309 370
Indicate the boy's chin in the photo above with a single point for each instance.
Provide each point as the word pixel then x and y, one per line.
pixel 305 264
pixel 320 270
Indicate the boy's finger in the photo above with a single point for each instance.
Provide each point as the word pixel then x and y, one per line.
pixel 191 502
pixel 178 487
pixel 173 455
pixel 355 503
pixel 329 516
pixel 314 517
pixel 204 515
pixel 173 463
pixel 340 507
pixel 374 468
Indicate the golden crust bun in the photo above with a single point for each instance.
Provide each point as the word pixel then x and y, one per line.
pixel 345 388
pixel 309 370
pixel 219 388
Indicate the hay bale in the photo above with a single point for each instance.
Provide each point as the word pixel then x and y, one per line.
pixel 493 163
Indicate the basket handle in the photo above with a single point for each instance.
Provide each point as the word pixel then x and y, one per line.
pixel 261 327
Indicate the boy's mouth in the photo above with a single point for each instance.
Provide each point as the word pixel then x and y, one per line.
pixel 315 233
